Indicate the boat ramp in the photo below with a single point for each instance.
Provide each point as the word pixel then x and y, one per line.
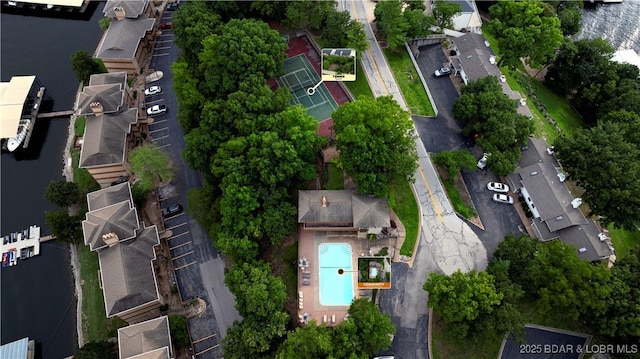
pixel 20 245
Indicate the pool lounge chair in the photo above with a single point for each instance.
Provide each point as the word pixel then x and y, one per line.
pixel 300 294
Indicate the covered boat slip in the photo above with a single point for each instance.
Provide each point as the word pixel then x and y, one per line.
pixel 13 95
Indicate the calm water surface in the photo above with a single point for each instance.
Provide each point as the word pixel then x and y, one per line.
pixel 37 296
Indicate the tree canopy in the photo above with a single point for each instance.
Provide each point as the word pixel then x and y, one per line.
pixel 151 166
pixel 526 29
pixel 376 141
pixel 444 12
pixel 62 193
pixel 603 160
pixel 343 31
pixel 390 22
pixel 310 341
pixel 84 66
pixel 486 111
pixel 454 161
pixel 462 297
pixel 93 350
pixel 179 331
pixel 64 227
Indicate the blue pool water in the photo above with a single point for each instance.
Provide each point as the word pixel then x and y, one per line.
pixel 335 289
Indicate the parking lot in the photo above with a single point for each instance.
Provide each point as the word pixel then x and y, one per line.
pixel 443 132
pixel 199 270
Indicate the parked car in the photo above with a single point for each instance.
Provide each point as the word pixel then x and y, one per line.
pixel 166 25
pixel 503 198
pixel 120 180
pixel 153 90
pixel 443 71
pixel 172 210
pixel 498 187
pixel 173 6
pixel 156 110
pixel 482 162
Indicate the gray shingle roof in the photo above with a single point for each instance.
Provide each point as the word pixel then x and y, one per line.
pixel 108 196
pixel 128 276
pixel 119 218
pixel 105 138
pixel 132 8
pixel 149 339
pixel 338 210
pixel 464 4
pixel 110 96
pixel 370 212
pixel 122 38
pixel 344 207
pixel 109 78
pixel 552 199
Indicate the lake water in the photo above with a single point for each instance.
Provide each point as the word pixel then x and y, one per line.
pixel 618 23
pixel 37 296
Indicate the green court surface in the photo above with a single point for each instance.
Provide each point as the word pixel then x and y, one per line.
pixel 300 76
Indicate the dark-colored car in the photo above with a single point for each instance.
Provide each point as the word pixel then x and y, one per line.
pixel 166 25
pixel 120 180
pixel 172 210
pixel 173 6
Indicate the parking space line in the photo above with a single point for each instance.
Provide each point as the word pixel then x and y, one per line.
pixel 208 349
pixel 179 245
pixel 159 138
pixel 178 225
pixel 160 129
pixel 153 102
pixel 163 146
pixel 185 266
pixel 162 48
pixel 163 41
pixel 180 256
pixel 157 122
pixel 202 339
pixel 164 54
pixel 173 195
pixel 178 235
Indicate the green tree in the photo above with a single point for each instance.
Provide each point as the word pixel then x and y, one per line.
pixel 622 315
pixel 519 253
pixel 604 162
pixel 376 143
pixel 93 350
pixel 151 166
pixel 307 14
pixel 485 110
pixel 444 12
pixel 104 23
pixel 566 285
pixel 570 15
pixel 178 330
pixel 84 66
pixel 311 341
pixel 191 25
pixel 64 227
pixel 525 29
pixel 390 22
pixel 342 31
pixel 240 47
pixel 139 194
pixel 62 193
pixel 418 25
pixel 366 332
pixel 462 297
pixel 454 161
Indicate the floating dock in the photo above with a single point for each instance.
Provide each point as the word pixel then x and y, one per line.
pixel 20 245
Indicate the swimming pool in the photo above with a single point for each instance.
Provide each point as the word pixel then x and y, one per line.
pixel 335 288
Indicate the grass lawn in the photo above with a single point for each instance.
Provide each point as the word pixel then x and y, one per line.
pixel 360 87
pixel 335 180
pixel 81 176
pixel 458 204
pixel 409 81
pixel 289 274
pixel 446 345
pixel 623 241
pixel 79 126
pixel 558 108
pixel 403 203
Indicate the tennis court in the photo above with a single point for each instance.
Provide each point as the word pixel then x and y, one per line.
pixel 300 76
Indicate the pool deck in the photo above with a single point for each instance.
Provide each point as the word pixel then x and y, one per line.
pixel 308 244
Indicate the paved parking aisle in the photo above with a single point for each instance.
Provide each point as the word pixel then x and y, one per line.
pixel 197 265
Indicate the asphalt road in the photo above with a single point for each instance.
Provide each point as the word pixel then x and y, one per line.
pixel 199 270
pixel 443 132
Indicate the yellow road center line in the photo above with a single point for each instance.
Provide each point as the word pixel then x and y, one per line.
pixel 433 200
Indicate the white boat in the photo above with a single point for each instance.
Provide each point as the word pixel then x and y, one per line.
pixel 14 143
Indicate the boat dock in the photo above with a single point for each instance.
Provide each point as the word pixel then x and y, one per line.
pixel 20 245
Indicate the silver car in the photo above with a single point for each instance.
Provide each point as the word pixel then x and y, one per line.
pixel 482 162
pixel 503 198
